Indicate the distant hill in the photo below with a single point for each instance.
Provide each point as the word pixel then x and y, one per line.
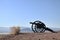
pixel 4 29
pixel 23 29
pixel 26 30
pixel 30 30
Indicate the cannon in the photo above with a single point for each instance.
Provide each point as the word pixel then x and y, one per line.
pixel 39 27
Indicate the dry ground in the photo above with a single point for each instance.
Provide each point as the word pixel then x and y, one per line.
pixel 32 36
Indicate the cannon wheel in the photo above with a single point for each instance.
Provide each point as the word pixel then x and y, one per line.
pixel 35 29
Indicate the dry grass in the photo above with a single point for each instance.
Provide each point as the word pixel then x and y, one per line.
pixel 15 30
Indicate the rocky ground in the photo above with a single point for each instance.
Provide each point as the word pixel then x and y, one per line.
pixel 32 36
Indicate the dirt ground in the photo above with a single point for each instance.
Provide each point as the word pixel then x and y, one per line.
pixel 32 36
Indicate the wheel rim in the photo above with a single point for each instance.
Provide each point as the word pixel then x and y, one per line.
pixel 35 29
pixel 41 30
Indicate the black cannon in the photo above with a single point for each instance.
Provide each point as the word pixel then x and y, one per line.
pixel 38 26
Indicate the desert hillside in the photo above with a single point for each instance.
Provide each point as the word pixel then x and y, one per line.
pixel 32 36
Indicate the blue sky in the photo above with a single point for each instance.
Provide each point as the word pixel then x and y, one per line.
pixel 21 12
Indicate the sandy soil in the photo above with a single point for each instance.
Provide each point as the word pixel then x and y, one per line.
pixel 32 36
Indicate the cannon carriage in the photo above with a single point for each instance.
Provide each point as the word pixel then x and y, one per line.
pixel 39 27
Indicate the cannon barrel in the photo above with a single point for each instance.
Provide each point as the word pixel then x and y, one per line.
pixel 32 23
